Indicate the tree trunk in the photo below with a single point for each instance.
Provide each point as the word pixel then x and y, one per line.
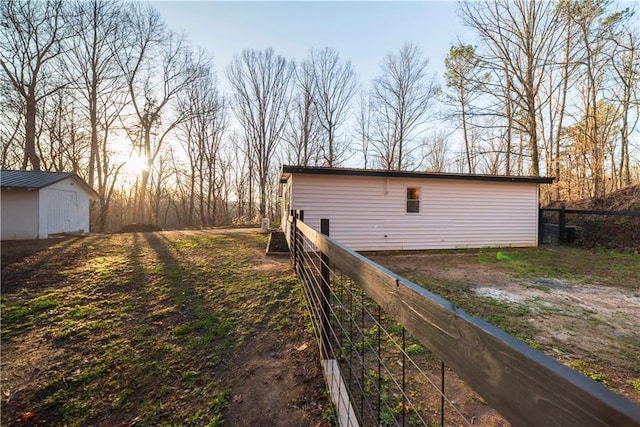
pixel 30 154
pixel 142 196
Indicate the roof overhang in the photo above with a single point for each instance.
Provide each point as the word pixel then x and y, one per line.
pixel 287 171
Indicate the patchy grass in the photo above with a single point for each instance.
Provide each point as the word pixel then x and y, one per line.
pixel 511 318
pixel 575 304
pixel 132 328
pixel 601 266
pixel 591 370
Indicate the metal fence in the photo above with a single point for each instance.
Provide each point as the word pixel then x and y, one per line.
pixel 553 225
pixel 395 354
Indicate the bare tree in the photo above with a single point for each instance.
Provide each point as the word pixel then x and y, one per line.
pixel 304 132
pixel 556 88
pixel 158 65
pixel 201 136
pixel 594 23
pixel 11 125
pixel 334 87
pixel 102 83
pixel 63 146
pixel 625 88
pixel 101 86
pixel 32 36
pixel 363 125
pixel 518 37
pixel 437 152
pixel 241 167
pixel 261 86
pixel 401 98
pixel 160 191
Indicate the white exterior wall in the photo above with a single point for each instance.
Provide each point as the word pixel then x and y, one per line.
pixel 19 214
pixel 64 207
pixel 369 213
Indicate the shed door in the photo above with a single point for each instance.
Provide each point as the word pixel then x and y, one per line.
pixel 62 205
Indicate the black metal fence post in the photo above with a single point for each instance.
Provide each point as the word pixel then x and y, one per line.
pixel 325 273
pixel 540 227
pixel 562 231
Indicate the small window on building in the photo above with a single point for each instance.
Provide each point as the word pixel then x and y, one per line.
pixel 413 200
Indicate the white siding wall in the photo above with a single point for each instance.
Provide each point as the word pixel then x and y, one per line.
pixel 19 214
pixel 369 213
pixel 64 207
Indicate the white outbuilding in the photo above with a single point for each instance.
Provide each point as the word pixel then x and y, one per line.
pixel 36 204
pixel 389 210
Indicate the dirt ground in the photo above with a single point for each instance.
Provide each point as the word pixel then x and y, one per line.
pixel 573 319
pixel 276 381
pixel 272 374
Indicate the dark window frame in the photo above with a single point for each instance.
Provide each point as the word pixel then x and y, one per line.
pixel 413 203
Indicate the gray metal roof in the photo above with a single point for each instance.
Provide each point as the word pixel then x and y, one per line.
pixel 37 179
pixel 31 179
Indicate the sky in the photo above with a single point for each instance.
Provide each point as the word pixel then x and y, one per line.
pixel 361 31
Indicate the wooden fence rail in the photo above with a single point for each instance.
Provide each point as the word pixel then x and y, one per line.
pixel 527 387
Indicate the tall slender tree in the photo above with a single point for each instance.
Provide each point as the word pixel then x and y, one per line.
pixel 594 23
pixel 363 128
pixel 465 84
pixel 402 96
pixel 304 132
pixel 334 87
pixel 158 65
pixel 32 38
pixel 201 135
pixel 261 82
pixel 625 87
pixel 101 86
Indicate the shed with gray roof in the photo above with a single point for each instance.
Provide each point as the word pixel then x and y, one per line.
pixel 38 204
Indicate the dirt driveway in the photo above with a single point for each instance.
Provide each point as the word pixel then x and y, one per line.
pixel 574 313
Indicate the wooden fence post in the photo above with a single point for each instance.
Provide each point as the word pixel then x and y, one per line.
pixel 325 273
pixel 299 245
pixel 294 238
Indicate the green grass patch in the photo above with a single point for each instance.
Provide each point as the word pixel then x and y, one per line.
pixel 590 370
pixel 599 266
pixel 20 312
pixel 415 349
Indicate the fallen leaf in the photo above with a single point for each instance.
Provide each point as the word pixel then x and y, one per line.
pixel 303 347
pixel 406 407
pixel 27 416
